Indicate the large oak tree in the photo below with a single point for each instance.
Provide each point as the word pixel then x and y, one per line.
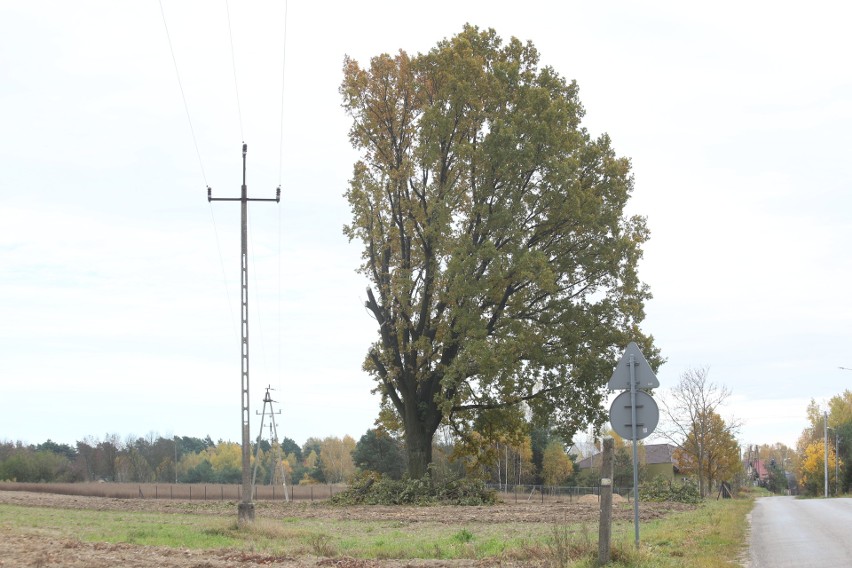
pixel 501 262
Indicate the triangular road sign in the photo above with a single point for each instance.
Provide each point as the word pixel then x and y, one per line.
pixel 642 373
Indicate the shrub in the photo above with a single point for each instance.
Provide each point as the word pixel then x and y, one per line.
pixel 371 488
pixel 659 489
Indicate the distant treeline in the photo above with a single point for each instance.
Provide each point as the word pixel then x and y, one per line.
pixel 181 459
pixel 538 458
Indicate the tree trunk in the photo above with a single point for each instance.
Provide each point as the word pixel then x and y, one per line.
pixel 421 417
pixel 499 471
pixel 711 462
pixel 418 441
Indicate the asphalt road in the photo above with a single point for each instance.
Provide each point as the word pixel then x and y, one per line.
pixel 801 533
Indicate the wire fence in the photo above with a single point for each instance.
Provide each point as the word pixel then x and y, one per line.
pixel 181 491
pixel 553 494
pixel 301 493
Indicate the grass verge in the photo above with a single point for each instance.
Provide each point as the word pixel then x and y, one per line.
pixel 712 535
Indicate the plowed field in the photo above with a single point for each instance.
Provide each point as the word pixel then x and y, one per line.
pixel 45 548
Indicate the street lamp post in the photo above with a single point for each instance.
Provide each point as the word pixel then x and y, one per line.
pixel 836 449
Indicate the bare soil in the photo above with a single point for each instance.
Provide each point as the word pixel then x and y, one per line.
pixel 33 548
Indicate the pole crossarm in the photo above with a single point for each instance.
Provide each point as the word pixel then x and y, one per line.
pixel 246 507
pixel 275 199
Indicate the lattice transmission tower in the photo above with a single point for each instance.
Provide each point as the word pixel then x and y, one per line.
pixel 278 474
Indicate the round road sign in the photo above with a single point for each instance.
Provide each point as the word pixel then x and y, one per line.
pixel 647 415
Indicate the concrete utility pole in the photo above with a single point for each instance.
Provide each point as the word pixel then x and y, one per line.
pixel 605 527
pixel 825 444
pixel 245 510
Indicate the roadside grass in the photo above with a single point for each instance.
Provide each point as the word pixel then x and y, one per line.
pixel 711 535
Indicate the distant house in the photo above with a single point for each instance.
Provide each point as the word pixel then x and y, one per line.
pixel 657 459
pixel 756 470
pixel 660 461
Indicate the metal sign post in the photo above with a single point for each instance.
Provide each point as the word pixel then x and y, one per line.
pixel 633 372
pixel 635 450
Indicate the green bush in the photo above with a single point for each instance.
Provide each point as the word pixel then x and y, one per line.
pixel 371 488
pixel 659 489
pixel 28 466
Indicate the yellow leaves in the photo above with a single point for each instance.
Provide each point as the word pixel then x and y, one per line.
pixel 311 460
pixel 840 409
pixel 225 455
pixel 381 101
pixel 711 446
pixel 556 466
pixel 813 464
pixel 617 441
pixel 685 461
pixel 389 418
pixel 336 459
pixel 525 450
pixel 190 461
pixel 481 452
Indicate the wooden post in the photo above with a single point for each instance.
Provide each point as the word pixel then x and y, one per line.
pixel 605 530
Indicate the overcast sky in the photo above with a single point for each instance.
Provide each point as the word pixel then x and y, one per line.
pixel 119 282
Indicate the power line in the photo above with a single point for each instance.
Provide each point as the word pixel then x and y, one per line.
pixel 257 296
pixel 234 67
pixel 280 175
pixel 280 373
pixel 204 176
pixel 201 165
pixel 283 75
pixel 182 94
pixel 224 275
pixel 258 311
